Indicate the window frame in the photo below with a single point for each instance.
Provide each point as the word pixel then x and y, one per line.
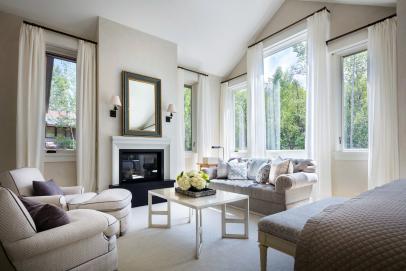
pixel 337 79
pixel 234 88
pixel 189 86
pixel 296 36
pixel 58 155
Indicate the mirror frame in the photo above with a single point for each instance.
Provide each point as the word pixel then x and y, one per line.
pixel 126 76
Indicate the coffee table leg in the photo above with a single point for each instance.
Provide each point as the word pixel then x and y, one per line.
pixel 199 233
pixel 225 220
pixel 166 213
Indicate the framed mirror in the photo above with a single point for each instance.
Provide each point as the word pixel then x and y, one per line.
pixel 142 105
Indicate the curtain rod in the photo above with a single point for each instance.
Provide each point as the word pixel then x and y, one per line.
pixel 189 70
pixel 59 32
pixel 360 28
pixel 235 77
pixel 292 24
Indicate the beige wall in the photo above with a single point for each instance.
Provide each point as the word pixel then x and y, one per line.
pixel 9 33
pixel 401 11
pixel 350 177
pixel 63 173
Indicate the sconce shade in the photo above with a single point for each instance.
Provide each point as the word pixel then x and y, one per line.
pixel 115 100
pixel 171 108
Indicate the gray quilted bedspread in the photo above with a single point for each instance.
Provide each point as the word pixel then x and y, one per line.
pixel 365 233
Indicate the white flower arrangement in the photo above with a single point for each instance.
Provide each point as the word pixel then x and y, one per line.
pixel 192 179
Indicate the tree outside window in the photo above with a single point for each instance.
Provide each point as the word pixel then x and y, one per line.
pixel 188 117
pixel 240 119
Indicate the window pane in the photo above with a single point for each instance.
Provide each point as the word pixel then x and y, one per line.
pixel 61 111
pixel 240 119
pixel 285 76
pixel 355 101
pixel 188 117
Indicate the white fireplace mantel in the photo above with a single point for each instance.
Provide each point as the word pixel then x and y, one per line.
pixel 133 143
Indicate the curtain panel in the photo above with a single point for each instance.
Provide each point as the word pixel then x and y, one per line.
pixel 86 116
pixel 226 120
pixel 256 131
pixel 31 97
pixel 203 136
pixel 318 124
pixel 383 158
pixel 180 123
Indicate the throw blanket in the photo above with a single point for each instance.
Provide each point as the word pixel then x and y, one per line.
pixel 365 233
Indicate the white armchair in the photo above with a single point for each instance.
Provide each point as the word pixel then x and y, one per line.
pixel 87 241
pixel 116 202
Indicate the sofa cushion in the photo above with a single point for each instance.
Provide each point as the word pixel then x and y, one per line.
pixel 107 200
pixel 263 173
pixel 278 168
pixel 253 167
pixel 45 216
pixel 237 170
pixel 222 170
pixel 303 165
pixel 287 225
pixel 48 188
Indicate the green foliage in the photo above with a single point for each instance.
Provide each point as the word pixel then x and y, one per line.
pixel 355 101
pixel 188 117
pixel 240 119
pixel 62 101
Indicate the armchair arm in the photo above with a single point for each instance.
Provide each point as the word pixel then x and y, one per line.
pixel 84 224
pixel 57 200
pixel 295 180
pixel 71 190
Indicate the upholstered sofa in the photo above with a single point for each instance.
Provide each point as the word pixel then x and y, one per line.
pixel 290 190
pixel 88 242
pixel 116 202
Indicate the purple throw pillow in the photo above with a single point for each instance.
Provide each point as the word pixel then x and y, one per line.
pixel 45 216
pixel 48 188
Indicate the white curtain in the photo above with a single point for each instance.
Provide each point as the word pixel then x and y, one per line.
pixel 383 159
pixel 274 114
pixel 318 124
pixel 256 102
pixel 226 120
pixel 31 97
pixel 86 116
pixel 180 124
pixel 203 136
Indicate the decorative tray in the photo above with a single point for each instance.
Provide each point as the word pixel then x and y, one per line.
pixel 196 193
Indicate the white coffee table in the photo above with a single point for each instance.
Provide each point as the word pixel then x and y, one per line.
pixel 221 198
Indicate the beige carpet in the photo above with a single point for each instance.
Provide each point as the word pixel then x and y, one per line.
pixel 143 248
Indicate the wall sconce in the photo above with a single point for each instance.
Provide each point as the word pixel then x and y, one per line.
pixel 171 109
pixel 116 102
pixel 219 147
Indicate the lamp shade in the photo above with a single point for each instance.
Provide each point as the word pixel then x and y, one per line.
pixel 171 108
pixel 115 100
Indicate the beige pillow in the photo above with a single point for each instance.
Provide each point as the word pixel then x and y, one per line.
pixel 279 168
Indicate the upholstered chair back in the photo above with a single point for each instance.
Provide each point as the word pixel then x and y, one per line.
pixel 15 223
pixel 20 180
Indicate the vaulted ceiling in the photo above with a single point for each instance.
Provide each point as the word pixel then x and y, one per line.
pixel 212 35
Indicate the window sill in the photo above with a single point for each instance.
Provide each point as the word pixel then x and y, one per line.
pixel 60 156
pixel 287 153
pixel 351 155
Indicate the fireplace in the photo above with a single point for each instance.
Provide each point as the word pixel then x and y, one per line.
pixel 141 165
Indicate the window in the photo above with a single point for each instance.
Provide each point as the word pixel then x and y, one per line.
pixel 355 101
pixel 188 117
pixel 240 118
pixel 60 118
pixel 285 76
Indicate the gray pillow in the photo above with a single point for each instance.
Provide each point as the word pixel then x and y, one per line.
pixel 278 168
pixel 237 170
pixel 263 173
pixel 48 188
pixel 45 216
pixel 254 165
pixel 222 170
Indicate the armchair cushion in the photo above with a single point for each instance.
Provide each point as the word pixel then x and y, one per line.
pixel 294 180
pixel 45 216
pixel 48 188
pixel 72 190
pixel 57 200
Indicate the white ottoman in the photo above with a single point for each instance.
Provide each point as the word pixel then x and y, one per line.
pixel 116 202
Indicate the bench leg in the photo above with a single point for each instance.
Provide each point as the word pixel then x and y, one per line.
pixel 263 254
